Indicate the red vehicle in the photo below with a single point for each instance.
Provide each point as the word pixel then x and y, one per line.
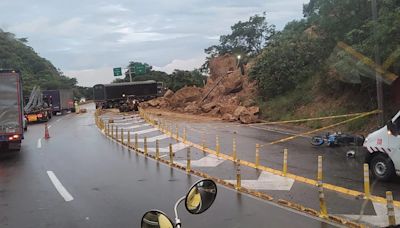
pixel 12 122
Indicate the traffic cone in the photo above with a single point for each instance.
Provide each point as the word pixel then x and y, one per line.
pixel 46 132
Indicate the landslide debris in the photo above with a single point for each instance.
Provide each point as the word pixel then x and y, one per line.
pixel 227 94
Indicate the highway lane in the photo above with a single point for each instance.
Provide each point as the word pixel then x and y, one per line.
pixel 110 186
pixel 302 157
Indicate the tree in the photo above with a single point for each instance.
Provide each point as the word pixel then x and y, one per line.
pixel 35 70
pixel 174 81
pixel 247 38
pixel 335 18
pixel 288 60
pixel 181 78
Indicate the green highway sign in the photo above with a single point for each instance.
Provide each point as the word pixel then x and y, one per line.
pixel 140 69
pixel 117 71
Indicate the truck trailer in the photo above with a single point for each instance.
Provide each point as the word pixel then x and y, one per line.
pixel 113 95
pixel 12 121
pixel 37 108
pixel 99 96
pixel 60 100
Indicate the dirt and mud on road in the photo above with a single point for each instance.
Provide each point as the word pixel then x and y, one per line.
pixel 228 94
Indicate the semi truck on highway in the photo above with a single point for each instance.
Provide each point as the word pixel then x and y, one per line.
pixel 12 121
pixel 60 100
pixel 115 94
pixel 37 108
pixel 383 146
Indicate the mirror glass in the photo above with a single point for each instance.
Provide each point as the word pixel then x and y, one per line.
pixel 201 196
pixel 156 219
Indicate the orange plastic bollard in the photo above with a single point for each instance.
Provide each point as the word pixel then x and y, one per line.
pixel 46 132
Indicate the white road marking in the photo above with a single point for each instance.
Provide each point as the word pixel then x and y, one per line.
pixel 60 188
pixel 175 147
pixel 153 139
pixel 116 118
pixel 137 132
pixel 380 219
pixel 128 123
pixel 49 127
pixel 39 143
pixel 144 131
pixel 207 161
pixel 136 126
pixel 267 181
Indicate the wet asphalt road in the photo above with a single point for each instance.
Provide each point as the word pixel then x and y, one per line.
pixel 111 186
pixel 338 169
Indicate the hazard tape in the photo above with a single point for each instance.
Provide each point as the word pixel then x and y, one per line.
pixel 289 175
pixel 309 119
pixel 254 193
pixel 323 128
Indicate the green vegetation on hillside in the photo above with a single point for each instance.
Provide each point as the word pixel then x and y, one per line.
pixel 35 70
pixel 16 54
pixel 175 81
pixel 304 66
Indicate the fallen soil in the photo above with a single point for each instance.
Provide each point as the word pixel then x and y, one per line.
pixel 228 94
pixel 181 116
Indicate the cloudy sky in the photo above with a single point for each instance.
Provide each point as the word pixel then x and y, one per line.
pixel 87 38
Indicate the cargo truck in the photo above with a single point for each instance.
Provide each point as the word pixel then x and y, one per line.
pixel 115 94
pixel 12 121
pixel 37 109
pixel 59 100
pixel 99 96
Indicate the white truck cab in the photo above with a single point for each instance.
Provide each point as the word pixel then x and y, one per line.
pixel 383 146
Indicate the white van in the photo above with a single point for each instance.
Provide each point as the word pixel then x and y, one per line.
pixel 384 150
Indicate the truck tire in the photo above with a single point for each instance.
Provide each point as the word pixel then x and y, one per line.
pixel 382 167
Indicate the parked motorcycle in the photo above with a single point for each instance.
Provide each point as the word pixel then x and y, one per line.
pixel 198 199
pixel 338 139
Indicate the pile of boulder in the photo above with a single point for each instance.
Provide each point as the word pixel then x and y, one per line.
pixel 227 94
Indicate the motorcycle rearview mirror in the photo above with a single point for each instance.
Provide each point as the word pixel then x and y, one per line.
pixel 156 219
pixel 201 196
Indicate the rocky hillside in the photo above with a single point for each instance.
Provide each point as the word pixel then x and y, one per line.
pixel 228 94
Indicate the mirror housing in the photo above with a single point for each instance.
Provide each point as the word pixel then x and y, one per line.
pixel 156 219
pixel 201 196
pixel 392 129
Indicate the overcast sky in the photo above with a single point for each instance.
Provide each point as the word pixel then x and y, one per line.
pixel 87 38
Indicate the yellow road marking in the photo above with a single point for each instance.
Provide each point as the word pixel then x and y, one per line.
pixel 289 175
pixel 308 119
pixel 254 193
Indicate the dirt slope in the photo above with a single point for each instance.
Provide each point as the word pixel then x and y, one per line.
pixel 227 94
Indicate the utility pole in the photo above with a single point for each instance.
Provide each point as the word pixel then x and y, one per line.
pixel 379 90
pixel 130 73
